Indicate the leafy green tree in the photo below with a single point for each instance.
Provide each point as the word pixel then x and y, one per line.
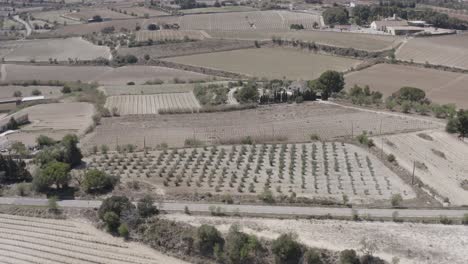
pixel 411 94
pixel 123 231
pixel 57 173
pixel 12 171
pixel 240 247
pixel 209 238
pixel 72 154
pixel 335 15
pixel 462 124
pixel 115 204
pixel 248 93
pixel 96 181
pixel 329 82
pixel 286 249
pixel 19 148
pixel 146 207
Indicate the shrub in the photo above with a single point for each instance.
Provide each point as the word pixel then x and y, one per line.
pixel 17 94
pixel 66 89
pixel 208 237
pixel 96 181
pixel 445 220
pixel 391 158
pixel 123 231
pixel 410 94
pixel 312 257
pixel 396 200
pixel 52 204
pixel 240 247
pixel 286 249
pixel 267 197
pixel 112 221
pixel 349 256
pixel 115 204
pixel 465 219
pixel 36 92
pixel 44 141
pixel 146 207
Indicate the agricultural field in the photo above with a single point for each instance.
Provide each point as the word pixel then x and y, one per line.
pixel 46 241
pixel 86 13
pixel 153 103
pixel 286 123
pixel 440 86
pixel 359 41
pixel 222 9
pixel 60 49
pixel 270 62
pixel 168 35
pixel 449 50
pixel 187 48
pixel 111 90
pixel 141 11
pixel 409 242
pixel 101 74
pixel 49 92
pixel 440 160
pixel 326 170
pixel 53 16
pixel 54 120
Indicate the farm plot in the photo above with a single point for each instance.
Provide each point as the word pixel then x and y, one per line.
pixel 270 62
pixel 449 51
pixel 59 49
pixel 141 11
pixel 440 86
pixel 289 123
pixel 54 120
pixel 89 28
pixel 441 161
pixel 85 14
pixel 187 48
pixel 103 75
pixel 370 42
pixel 36 240
pixel 168 35
pixel 153 104
pixel 55 16
pixel 140 74
pixel 111 90
pixel 47 91
pixel 310 170
pixel 256 20
pixel 222 9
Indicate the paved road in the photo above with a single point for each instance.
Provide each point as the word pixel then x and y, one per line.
pixel 258 209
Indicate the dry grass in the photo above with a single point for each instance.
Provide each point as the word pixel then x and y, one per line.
pixel 270 62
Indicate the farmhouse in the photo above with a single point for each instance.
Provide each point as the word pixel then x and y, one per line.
pixel 8 104
pixel 404 30
pixel 382 25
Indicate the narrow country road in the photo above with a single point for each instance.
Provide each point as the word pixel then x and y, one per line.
pixel 257 210
pixel 26 24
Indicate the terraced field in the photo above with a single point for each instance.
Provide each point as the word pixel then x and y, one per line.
pixel 310 170
pixel 153 104
pixel 46 241
pixel 270 62
pixel 449 50
pixel 164 35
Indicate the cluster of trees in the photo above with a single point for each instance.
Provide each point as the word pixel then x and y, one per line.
pixel 189 4
pixel 248 93
pixel 296 26
pixel 328 83
pixel 360 96
pixel 459 123
pixel 336 16
pixel 13 171
pixel 364 15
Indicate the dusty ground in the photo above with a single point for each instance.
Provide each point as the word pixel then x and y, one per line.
pixel 45 241
pixel 54 120
pixel 440 86
pixel 164 35
pixel 444 156
pixel 187 48
pixel 290 122
pixel 411 243
pixel 87 13
pixel 60 49
pixel 147 89
pixel 101 74
pixel 270 62
pixel 444 50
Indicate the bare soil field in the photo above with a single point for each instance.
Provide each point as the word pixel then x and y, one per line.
pixel 101 74
pixel 60 49
pixel 368 42
pixel 168 35
pixel 441 161
pixel 39 240
pixel 449 50
pixel 141 11
pixel 440 86
pixel 287 122
pixel 140 74
pixel 411 243
pixel 152 103
pixel 53 16
pixel 86 13
pixel 324 170
pixel 270 62
pixel 54 120
pixel 222 9
pixel 187 48
pixel 111 90
pixel 89 28
pixel 47 91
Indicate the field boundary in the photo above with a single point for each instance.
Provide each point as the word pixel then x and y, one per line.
pixel 198 69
